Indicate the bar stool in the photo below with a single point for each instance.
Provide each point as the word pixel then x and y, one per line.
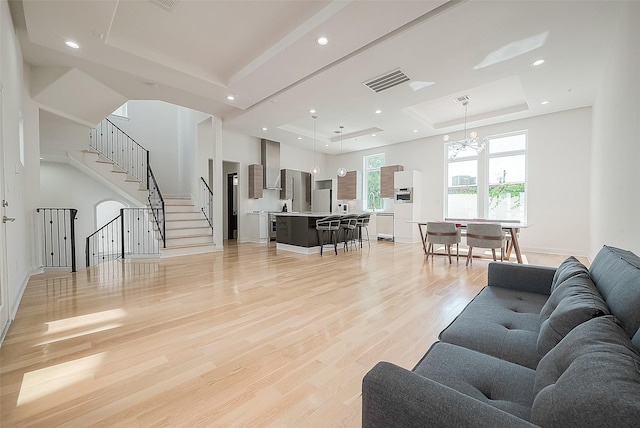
pixel 348 227
pixel 363 223
pixel 329 224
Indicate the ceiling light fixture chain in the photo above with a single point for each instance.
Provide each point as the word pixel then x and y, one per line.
pixel 342 170
pixel 472 142
pixel 315 170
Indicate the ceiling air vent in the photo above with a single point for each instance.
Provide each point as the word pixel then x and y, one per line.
pixel 461 99
pixel 387 81
pixel 165 4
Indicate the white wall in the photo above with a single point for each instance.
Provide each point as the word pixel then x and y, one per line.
pixel 21 192
pixel 558 177
pixel 64 186
pixel 155 126
pixel 59 135
pixel 615 203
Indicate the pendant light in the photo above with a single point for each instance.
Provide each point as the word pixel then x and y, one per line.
pixel 315 170
pixel 341 171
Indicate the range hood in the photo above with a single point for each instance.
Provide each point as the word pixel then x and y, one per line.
pixel 270 156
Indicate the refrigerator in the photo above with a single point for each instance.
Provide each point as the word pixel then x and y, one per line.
pixel 321 201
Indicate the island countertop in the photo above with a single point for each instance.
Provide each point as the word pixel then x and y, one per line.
pixel 303 214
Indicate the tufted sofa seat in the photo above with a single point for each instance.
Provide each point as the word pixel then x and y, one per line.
pixel 536 347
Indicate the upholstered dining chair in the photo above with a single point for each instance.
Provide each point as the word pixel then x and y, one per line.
pixel 485 235
pixel 443 233
pixel 329 224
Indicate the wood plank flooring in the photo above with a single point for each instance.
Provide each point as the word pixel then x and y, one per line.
pixel 246 337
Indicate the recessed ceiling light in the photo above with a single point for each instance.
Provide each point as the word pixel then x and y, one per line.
pixel 373 135
pixel 322 40
pixel 231 97
pixel 312 111
pixel 378 111
pixel 299 138
pixel 264 129
pixel 72 44
pixel 415 130
pixel 326 145
pixel 545 102
pixel 537 62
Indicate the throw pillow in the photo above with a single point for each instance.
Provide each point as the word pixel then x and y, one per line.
pixel 573 302
pixel 591 379
pixel 568 268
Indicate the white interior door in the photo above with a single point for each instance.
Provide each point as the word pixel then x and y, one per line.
pixel 4 283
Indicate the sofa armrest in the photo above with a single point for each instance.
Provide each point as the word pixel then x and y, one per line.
pixel 395 397
pixel 534 279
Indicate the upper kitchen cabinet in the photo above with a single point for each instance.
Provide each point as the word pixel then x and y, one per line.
pixel 350 186
pixel 386 180
pixel 256 181
pixel 286 183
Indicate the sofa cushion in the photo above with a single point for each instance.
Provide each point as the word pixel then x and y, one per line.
pixel 573 302
pixel 568 268
pixel 616 273
pixel 591 378
pixel 499 383
pixel 500 322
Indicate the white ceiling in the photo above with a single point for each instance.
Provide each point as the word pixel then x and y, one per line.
pixel 196 52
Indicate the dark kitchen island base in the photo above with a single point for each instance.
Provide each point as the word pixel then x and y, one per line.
pixel 296 232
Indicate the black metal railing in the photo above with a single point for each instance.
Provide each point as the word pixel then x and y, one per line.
pixel 57 233
pixel 156 203
pixel 132 232
pixel 206 201
pixel 118 147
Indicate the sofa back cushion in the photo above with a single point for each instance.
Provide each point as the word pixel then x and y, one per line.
pixel 568 268
pixel 573 302
pixel 616 274
pixel 591 378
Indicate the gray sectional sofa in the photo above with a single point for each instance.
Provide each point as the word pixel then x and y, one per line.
pixel 536 347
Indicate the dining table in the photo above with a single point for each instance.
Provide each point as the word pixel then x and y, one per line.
pixel 511 227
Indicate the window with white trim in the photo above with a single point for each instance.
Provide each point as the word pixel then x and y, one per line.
pixel 490 184
pixel 371 182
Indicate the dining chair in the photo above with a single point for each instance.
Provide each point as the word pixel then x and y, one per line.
pixel 329 224
pixel 443 233
pixel 485 235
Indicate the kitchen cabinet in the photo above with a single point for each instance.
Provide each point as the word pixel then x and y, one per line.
pixel 386 180
pixel 256 181
pixel 350 186
pixel 286 184
pixel 257 227
pixel 384 226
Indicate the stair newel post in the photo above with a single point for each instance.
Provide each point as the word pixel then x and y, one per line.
pixel 73 239
pixel 122 232
pixel 148 169
pixel 164 229
pixel 87 251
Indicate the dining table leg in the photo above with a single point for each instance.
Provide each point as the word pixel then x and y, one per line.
pixel 423 238
pixel 514 244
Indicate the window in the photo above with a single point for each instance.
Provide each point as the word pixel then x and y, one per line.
pixel 491 184
pixel 121 112
pixel 372 199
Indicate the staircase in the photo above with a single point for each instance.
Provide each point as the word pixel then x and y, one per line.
pixel 118 159
pixel 187 229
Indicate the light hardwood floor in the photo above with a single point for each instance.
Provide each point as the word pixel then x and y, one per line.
pixel 245 337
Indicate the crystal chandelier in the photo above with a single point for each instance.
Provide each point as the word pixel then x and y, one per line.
pixel 470 142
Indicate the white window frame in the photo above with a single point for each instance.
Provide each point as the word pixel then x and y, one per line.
pixel 482 179
pixel 365 183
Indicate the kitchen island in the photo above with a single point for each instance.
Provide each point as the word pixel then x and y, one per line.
pixel 297 232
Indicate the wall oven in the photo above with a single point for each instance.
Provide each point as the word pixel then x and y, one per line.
pixel 404 195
